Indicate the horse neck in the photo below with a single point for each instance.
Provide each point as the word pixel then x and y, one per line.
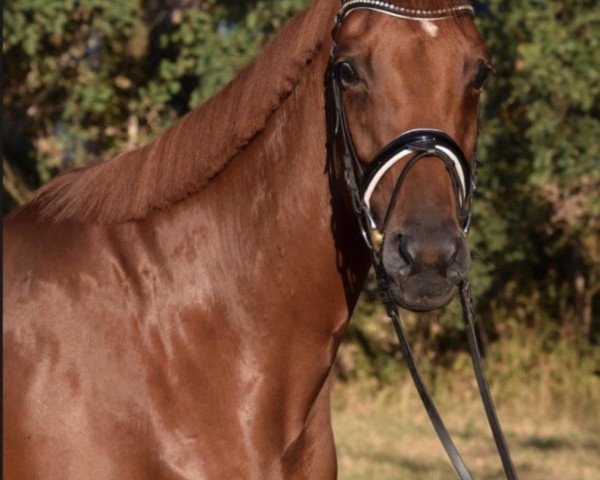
pixel 260 272
pixel 268 240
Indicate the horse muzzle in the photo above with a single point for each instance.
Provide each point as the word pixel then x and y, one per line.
pixel 425 265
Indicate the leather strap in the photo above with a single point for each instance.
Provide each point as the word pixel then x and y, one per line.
pixel 428 403
pixel 484 390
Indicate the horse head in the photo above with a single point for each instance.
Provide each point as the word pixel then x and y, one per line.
pixel 407 84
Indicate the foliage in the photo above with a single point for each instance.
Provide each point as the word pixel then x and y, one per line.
pixel 539 203
pixel 88 78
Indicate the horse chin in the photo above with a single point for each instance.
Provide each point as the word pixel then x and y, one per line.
pixel 422 302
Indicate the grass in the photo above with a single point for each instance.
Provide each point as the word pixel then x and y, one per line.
pixel 548 405
pixel 389 437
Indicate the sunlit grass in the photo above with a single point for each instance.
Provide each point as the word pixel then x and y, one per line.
pixel 548 404
pixel 390 437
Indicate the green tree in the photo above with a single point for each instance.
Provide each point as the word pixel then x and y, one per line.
pixel 88 78
pixel 539 203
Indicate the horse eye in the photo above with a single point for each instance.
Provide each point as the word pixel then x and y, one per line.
pixel 346 73
pixel 481 77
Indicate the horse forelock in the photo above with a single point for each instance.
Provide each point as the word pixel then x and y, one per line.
pixel 184 158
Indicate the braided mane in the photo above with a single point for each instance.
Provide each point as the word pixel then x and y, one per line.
pixel 184 158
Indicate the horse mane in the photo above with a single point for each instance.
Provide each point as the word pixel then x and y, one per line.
pixel 183 159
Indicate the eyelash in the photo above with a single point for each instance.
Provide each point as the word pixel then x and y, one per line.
pixel 481 77
pixel 346 73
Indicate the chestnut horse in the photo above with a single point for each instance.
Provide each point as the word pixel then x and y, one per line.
pixel 174 313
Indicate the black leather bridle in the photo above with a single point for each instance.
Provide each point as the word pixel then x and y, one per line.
pixel 416 144
pixel 361 182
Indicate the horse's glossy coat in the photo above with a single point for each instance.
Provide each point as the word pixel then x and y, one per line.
pixel 165 323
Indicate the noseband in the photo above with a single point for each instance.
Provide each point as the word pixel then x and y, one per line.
pixel 411 147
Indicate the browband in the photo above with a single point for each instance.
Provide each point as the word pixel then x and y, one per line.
pixel 404 12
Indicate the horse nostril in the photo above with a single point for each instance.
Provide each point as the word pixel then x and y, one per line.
pixel 440 254
pixel 405 258
pixel 404 271
pixel 454 274
pixel 458 264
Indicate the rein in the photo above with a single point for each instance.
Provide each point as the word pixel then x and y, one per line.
pixel 414 144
